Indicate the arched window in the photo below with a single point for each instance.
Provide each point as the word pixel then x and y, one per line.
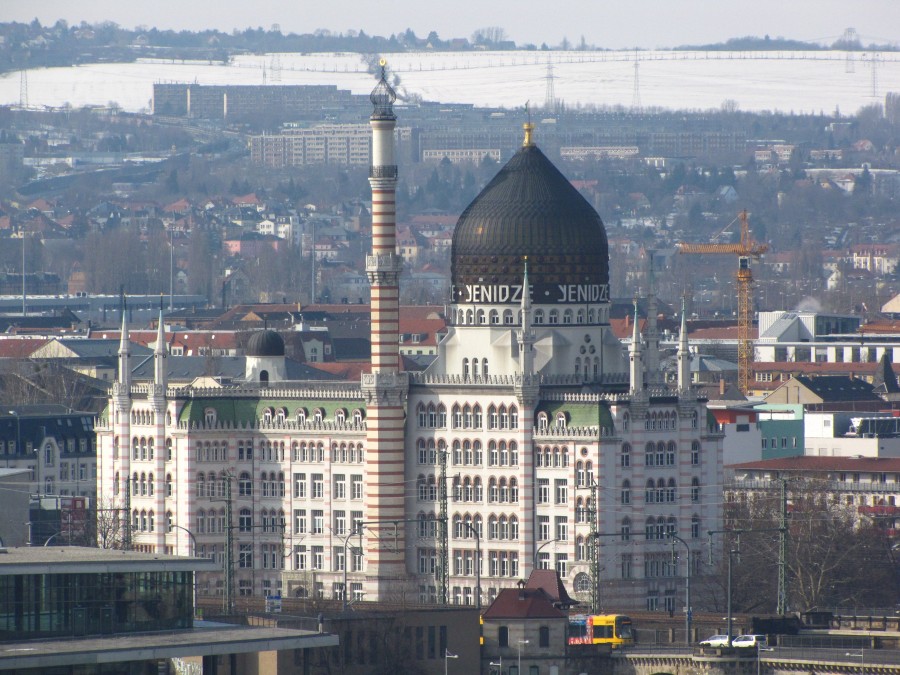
pixel 507 317
pixel 245 485
pixel 494 317
pixel 626 455
pixel 625 529
pixel 567 316
pixel 650 492
pixel 626 492
pixel 695 489
pixel 670 491
pixel 245 520
pixel 553 316
pixel 695 527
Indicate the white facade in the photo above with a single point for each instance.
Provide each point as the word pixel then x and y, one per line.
pixel 551 439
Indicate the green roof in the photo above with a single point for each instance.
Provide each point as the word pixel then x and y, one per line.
pixel 579 413
pixel 238 410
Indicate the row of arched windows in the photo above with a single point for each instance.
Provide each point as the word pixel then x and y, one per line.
pixel 662 421
pixel 308 452
pixel 211 452
pixel 467 416
pixel 143 521
pixel 279 416
pixel 481 318
pixel 475 368
pixel 551 457
pixel 468 453
pixel 211 521
pixel 142 448
pixel 347 452
pixel 210 485
pixel 142 417
pixel 503 527
pixel 467 489
pixel 467 527
pixel 660 454
pixel 142 485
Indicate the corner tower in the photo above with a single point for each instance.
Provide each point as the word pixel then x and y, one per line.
pixel 385 387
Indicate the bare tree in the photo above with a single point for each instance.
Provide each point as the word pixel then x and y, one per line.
pixel 833 558
pixel 109 524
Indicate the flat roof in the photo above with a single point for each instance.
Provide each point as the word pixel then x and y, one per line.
pixel 87 560
pixel 206 639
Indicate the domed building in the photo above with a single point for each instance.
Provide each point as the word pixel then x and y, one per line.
pixel 533 437
pixel 265 360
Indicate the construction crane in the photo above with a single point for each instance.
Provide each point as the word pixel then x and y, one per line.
pixel 745 250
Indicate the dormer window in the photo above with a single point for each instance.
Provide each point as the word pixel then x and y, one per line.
pixel 209 416
pixel 357 416
pixel 267 416
pixel 318 415
pixel 340 416
pixel 561 420
pixel 543 421
pixel 280 416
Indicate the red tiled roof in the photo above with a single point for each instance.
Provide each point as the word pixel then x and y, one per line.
pixel 17 348
pixel 523 603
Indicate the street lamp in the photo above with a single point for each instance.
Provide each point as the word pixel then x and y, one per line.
pixel 346 563
pixel 759 650
pixel 862 658
pixel 499 665
pixel 193 555
pixel 447 657
pixel 519 654
pixel 534 563
pixel 729 618
pixel 687 576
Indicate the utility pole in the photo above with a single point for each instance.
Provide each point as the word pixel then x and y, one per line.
pixel 443 534
pixel 594 551
pixel 782 553
pixel 126 539
pixel 228 604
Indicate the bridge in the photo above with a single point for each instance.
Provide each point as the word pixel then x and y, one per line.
pixel 672 660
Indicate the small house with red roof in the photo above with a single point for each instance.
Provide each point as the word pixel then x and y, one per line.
pixel 525 625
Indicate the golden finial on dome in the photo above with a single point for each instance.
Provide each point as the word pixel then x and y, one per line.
pixel 529 129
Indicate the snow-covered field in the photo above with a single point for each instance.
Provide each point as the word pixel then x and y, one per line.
pixel 808 82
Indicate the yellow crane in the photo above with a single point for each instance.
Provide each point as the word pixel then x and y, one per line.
pixel 745 250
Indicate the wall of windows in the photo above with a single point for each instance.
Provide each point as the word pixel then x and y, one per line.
pixel 58 605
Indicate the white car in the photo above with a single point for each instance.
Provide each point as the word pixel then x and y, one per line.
pixel 750 641
pixel 715 641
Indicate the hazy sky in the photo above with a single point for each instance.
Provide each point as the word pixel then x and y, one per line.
pixel 619 24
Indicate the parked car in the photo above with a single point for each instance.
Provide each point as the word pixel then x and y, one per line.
pixel 750 641
pixel 715 641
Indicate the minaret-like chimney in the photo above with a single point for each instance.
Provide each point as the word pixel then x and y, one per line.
pixel 526 336
pixel 159 354
pixel 684 353
pixel 124 379
pixel 635 355
pixel 385 387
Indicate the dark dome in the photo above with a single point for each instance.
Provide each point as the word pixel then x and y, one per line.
pixel 529 209
pixel 265 343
